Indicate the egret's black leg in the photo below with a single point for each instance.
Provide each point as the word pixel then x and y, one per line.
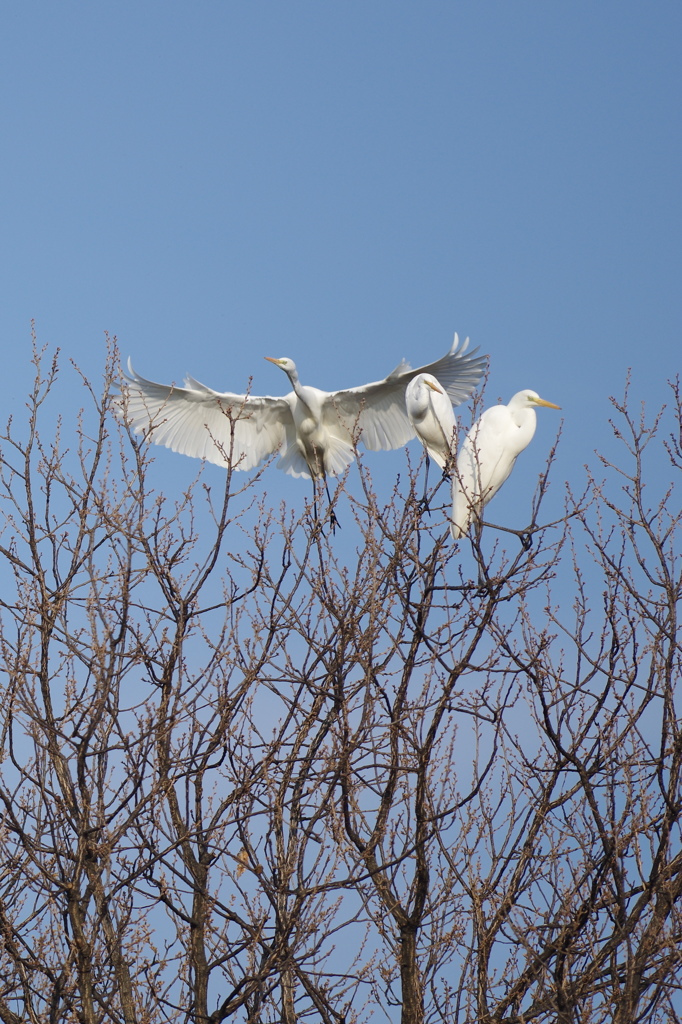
pixel 332 514
pixel 424 503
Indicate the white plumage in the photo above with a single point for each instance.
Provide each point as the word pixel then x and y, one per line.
pixel 488 455
pixel 430 412
pixel 314 431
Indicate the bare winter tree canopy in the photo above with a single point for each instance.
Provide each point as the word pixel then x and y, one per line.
pixel 253 771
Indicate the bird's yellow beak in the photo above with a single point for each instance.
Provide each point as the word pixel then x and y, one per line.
pixel 434 387
pixel 271 360
pixel 549 405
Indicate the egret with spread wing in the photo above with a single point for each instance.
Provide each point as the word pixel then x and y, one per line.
pixel 488 455
pixel 314 431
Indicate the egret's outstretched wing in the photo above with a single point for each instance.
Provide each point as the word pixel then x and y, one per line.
pixel 456 372
pixel 195 420
pixel 377 411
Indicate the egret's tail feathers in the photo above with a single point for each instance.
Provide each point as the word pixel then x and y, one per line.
pixel 463 510
pixel 292 461
pixel 338 456
pixel 458 530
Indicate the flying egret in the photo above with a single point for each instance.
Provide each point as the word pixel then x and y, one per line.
pixel 488 455
pixel 314 431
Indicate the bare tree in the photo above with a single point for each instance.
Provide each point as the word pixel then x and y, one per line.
pixel 252 771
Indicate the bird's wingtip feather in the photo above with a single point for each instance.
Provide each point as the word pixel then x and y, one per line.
pixel 460 349
pixel 402 367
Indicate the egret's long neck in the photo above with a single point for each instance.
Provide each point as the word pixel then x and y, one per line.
pixel 295 382
pixel 420 408
pixel 299 390
pixel 524 417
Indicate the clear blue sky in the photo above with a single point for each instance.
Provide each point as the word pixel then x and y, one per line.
pixel 347 184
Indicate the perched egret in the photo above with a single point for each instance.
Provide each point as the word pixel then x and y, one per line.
pixel 488 455
pixel 430 412
pixel 314 431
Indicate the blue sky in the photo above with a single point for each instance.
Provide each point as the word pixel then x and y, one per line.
pixel 347 184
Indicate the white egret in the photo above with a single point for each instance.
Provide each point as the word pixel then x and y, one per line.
pixel 488 455
pixel 314 431
pixel 430 412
